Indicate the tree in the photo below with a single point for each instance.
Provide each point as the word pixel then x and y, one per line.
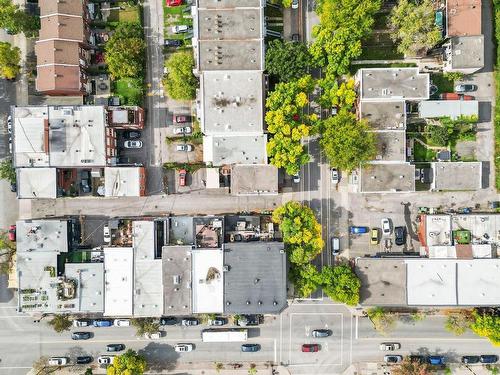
pixel 409 367
pixel 7 171
pixel 41 366
pixel 346 142
pixel 305 279
pixel 218 367
pixel 383 321
pixel 129 363
pixel 486 325
pixel 16 20
pixel 10 58
pixel 413 26
pixel 7 251
pixel 339 94
pixel 343 23
pixel 180 81
pixel 60 323
pixel 287 60
pixel 285 3
pixel 145 326
pixel 341 284
pixel 125 51
pixel 458 322
pixel 253 369
pixel 439 135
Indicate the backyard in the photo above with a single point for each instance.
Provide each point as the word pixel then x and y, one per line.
pixel 127 13
pixel 379 45
pixel 130 90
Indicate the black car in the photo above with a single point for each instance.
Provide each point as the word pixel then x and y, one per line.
pixel 80 335
pixel 250 347
pixel 86 183
pixel 115 347
pixel 84 360
pixel 173 42
pixel 418 358
pixel 321 333
pixel 132 134
pixel 470 359
pixel 400 236
pixel 489 358
pixel 13 187
pixel 168 320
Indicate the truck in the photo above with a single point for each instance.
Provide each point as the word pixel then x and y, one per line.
pixel 224 335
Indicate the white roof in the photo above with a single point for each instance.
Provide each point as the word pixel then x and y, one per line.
pixel 223 150
pixel 207 295
pixel 122 181
pixel 212 178
pixel 118 281
pixel 479 282
pixel 36 183
pixel 90 277
pixel 438 230
pixel 448 108
pixel 30 136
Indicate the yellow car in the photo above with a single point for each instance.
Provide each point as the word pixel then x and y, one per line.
pixel 374 236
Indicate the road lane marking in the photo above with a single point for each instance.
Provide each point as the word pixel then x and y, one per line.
pixel 357 322
pixel 275 354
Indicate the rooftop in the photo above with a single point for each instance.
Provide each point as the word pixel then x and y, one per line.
pixel 254 179
pixel 230 55
pixel 30 129
pixel 70 28
pixel 387 178
pixel 384 115
pixel 57 52
pixel 181 230
pixel 123 181
pixel 223 4
pixel 467 52
pixel 233 23
pixel 36 183
pixel 176 262
pixel 448 108
pixel 393 84
pixel 58 77
pixel 463 17
pixel 47 236
pixel 118 279
pixel 256 280
pixel 438 230
pixel 479 282
pixel 483 228
pixel 208 280
pixel 73 7
pixel 228 149
pixel 232 102
pixel 90 279
pixel 445 176
pixel 391 146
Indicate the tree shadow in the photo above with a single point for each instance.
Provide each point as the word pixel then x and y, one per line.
pixel 160 357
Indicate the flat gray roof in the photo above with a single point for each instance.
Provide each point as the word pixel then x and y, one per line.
pixel 391 146
pixel 37 236
pixel 181 230
pixel 177 279
pixel 254 179
pixel 228 3
pixel 394 177
pixel 383 281
pixel 232 102
pixel 222 150
pixel 230 55
pixel 393 84
pixel 90 277
pixel 448 108
pixel 457 175
pixel 229 23
pixel 36 183
pixel 384 115
pixel 467 52
pixel 257 273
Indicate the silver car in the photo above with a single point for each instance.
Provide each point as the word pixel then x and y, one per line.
pixel 132 144
pixel 184 148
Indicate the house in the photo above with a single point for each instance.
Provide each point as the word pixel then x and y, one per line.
pixel 125 181
pixel 453 109
pixel 63 48
pixel 387 177
pixel 445 176
pixel 227 150
pixel 249 180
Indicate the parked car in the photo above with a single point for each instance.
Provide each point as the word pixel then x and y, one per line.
pixel 12 233
pixel 81 323
pixel 418 358
pixel 386 226
pixel 86 182
pixel 310 348
pixel 295 4
pixel 488 358
pixel 335 176
pixel 182 177
pixel 107 233
pixel 182 130
pixel 391 358
pixel 296 178
pixel 105 359
pixel 436 360
pixel 250 348
pixel 124 160
pixel 335 245
pixel 374 236
pixel 13 187
pixel 115 347
pixel 58 361
pixel 173 3
pixel 295 37
pixel 219 321
pixel 102 323
pixel 172 43
pixel 168 320
pixel 132 134
pixel 321 333
pixel 358 230
pixel 248 320
pixel 9 124
pixel 180 119
pixel 183 348
pixel 469 359
pixel 153 336
pixel 121 323
pixel 388 346
pixel 184 148
pixel 400 236
pixel 84 360
pixel 190 322
pixel 455 96
pixel 465 87
pixel 132 144
pixel 179 29
pixel 80 335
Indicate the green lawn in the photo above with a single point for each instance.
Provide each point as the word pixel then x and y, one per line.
pixel 379 46
pixel 130 13
pixel 443 83
pixel 130 91
pixel 422 153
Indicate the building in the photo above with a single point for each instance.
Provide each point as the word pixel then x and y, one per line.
pixel 384 115
pixel 391 146
pixel 63 48
pixel 228 150
pixel 445 176
pixel 387 177
pixel 463 17
pixel 453 109
pixel 125 117
pixel 125 181
pixel 118 281
pixel 248 180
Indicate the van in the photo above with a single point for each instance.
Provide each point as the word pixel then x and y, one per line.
pixel 335 245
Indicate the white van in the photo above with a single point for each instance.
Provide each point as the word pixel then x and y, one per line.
pixel 335 245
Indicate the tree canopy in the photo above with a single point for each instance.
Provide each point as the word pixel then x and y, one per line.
pixel 16 20
pixel 7 251
pixel 288 123
pixel 486 325
pixel 343 23
pixel 129 363
pixel 60 323
pixel 145 326
pixel 7 171
pixel 347 142
pixel 413 26
pixel 10 58
pixel 341 284
pixel 458 322
pixel 409 367
pixel 383 320
pixel 125 51
pixel 339 94
pixel 287 60
pixel 180 82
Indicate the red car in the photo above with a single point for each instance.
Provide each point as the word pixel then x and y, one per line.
pixel 12 233
pixel 178 119
pixel 455 96
pixel 173 3
pixel 310 348
pixel 182 177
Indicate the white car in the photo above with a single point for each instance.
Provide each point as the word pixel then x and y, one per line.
pixel 132 144
pixel 386 226
pixel 182 348
pixel 80 323
pixel 105 359
pixel 296 178
pixel 177 29
pixel 335 176
pixel 107 234
pixel 183 130
pixel 9 124
pixel 121 323
pixel 295 4
pixel 153 336
pixel 389 346
pixel 57 361
pixel 184 147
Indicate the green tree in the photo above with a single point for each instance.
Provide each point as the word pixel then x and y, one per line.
pixel 7 171
pixel 285 3
pixel 343 23
pixel 439 135
pixel 339 94
pixel 180 81
pixel 7 251
pixel 125 51
pixel 413 26
pixel 346 142
pixel 409 367
pixel 218 367
pixel 253 369
pixel 129 363
pixel 305 279
pixel 341 284
pixel 10 57
pixel 383 320
pixel 145 326
pixel 486 325
pixel 16 20
pixel 60 323
pixel 458 322
pixel 88 371
pixel 287 60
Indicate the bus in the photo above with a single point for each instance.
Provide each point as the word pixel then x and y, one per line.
pixel 224 335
